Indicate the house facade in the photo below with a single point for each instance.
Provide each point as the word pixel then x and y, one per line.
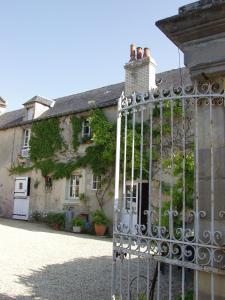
pixel 43 194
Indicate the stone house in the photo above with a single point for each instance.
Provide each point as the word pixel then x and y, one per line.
pixel 15 131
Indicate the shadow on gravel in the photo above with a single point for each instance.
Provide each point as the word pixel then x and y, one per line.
pixel 5 297
pixel 80 279
pixel 37 227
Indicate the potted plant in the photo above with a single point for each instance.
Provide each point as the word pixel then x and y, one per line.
pixel 78 224
pixel 56 220
pixel 100 221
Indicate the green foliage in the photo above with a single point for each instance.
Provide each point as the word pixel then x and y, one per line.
pixel 78 222
pixel 45 139
pixel 76 126
pixel 180 166
pixel 100 218
pixel 19 170
pixel 37 216
pixel 189 295
pixel 178 188
pixel 56 219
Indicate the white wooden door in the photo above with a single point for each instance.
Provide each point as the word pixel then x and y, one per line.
pixel 21 208
pixel 21 187
pixel 21 199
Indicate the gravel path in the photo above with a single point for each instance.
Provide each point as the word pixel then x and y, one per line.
pixel 39 263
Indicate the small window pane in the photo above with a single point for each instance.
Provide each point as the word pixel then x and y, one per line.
pixel 74 186
pixel 26 138
pixel 86 129
pixel 129 196
pixel 96 182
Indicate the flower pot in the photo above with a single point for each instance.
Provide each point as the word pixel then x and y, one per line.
pixel 100 229
pixel 56 226
pixel 76 229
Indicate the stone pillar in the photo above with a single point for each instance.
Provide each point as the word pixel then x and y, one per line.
pixel 209 156
pixel 199 31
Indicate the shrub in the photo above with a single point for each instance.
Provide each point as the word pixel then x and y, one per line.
pixel 78 222
pixel 100 218
pixel 37 216
pixel 56 219
pixel 189 295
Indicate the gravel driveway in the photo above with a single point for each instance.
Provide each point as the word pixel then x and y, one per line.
pixel 39 263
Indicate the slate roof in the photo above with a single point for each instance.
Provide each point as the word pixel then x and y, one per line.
pixel 100 97
pixel 41 100
pixel 12 118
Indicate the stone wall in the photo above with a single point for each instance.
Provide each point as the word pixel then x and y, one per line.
pixel 43 200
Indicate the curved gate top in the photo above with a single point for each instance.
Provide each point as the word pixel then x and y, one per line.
pixel 169 225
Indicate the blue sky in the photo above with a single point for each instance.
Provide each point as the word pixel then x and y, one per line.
pixel 54 48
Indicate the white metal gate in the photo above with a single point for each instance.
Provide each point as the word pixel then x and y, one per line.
pixel 177 250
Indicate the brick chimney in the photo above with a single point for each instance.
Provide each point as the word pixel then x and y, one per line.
pixel 2 106
pixel 139 71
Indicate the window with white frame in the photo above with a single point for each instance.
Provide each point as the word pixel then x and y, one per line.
pixel 131 194
pixel 74 186
pixel 86 129
pixel 96 182
pixel 26 139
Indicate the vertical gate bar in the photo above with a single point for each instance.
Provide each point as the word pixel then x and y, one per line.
pixel 183 194
pixel 118 135
pixel 212 193
pixel 128 277
pixel 117 179
pixel 121 272
pixel 149 197
pixel 196 196
pixel 160 167
pixel 138 277
pixel 158 283
pixel 132 166
pixel 125 161
pixel 113 283
pixel 150 173
pixel 140 196
pixel 132 186
pixel 148 276
pixel 160 194
pixel 171 198
pixel 141 165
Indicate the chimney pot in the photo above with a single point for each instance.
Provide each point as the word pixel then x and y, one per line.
pixel 146 52
pixel 139 53
pixel 132 52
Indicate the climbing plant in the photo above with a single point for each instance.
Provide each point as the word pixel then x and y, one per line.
pixel 46 139
pixel 181 164
pixel 76 126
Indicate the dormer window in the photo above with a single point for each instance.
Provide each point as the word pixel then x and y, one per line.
pixel 86 129
pixel 30 113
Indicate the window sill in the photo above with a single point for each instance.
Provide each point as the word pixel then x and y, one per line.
pixel 72 201
pixel 87 142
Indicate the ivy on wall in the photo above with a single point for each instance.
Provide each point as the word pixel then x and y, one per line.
pixel 76 126
pixel 45 139
pixel 45 142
